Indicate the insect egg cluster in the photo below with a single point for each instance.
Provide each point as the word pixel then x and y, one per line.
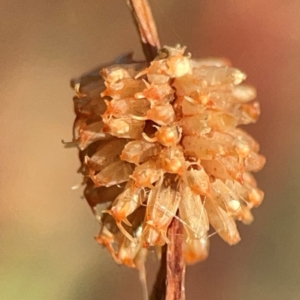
pixel 161 141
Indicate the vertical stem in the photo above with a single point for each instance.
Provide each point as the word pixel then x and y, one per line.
pixel 144 21
pixel 169 283
pixel 175 263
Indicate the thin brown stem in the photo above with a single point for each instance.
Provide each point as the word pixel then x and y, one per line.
pixel 146 26
pixel 175 263
pixel 169 284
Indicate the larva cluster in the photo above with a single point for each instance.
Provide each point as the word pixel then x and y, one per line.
pixel 160 139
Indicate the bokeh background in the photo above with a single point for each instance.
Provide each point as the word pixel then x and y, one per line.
pixel 47 248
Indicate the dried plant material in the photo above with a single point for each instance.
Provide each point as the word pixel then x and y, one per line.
pixel 175 263
pixel 164 138
pixel 146 25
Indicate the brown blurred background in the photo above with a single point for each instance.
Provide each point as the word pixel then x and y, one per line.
pixel 47 248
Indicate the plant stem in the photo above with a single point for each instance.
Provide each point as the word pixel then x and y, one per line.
pixel 175 263
pixel 145 24
pixel 169 284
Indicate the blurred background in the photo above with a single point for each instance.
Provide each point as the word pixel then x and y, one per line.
pixel 47 247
